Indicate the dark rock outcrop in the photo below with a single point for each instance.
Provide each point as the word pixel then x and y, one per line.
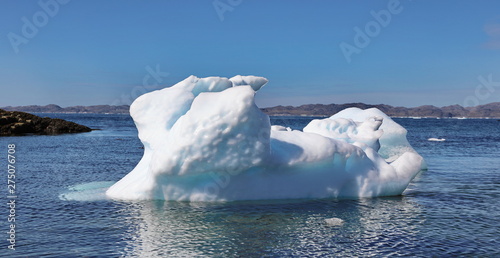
pixel 21 123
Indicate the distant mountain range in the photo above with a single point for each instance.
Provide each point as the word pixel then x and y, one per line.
pixel 491 110
pixel 99 109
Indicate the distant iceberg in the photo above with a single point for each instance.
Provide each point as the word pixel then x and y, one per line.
pixel 206 140
pixel 436 139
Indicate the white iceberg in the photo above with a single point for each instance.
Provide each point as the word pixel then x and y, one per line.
pixel 436 139
pixel 206 140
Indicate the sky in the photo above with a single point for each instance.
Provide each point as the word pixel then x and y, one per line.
pixel 402 53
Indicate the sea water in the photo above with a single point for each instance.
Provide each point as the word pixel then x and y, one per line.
pixel 451 209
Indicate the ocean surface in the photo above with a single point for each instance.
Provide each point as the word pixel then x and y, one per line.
pixel 450 210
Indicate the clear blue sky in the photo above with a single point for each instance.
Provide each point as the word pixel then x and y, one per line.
pixel 97 52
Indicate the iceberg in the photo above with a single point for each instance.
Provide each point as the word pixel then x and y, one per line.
pixel 436 139
pixel 206 140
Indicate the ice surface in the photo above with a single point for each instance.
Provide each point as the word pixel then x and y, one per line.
pixel 206 140
pixel 367 126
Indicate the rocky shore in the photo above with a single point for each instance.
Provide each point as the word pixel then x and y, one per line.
pixel 21 123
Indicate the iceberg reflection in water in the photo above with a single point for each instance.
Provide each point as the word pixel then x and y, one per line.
pixel 162 228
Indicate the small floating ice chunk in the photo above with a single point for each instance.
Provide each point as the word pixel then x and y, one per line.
pixel 334 222
pixel 436 139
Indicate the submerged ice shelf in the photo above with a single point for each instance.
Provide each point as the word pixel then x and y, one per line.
pixel 206 140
